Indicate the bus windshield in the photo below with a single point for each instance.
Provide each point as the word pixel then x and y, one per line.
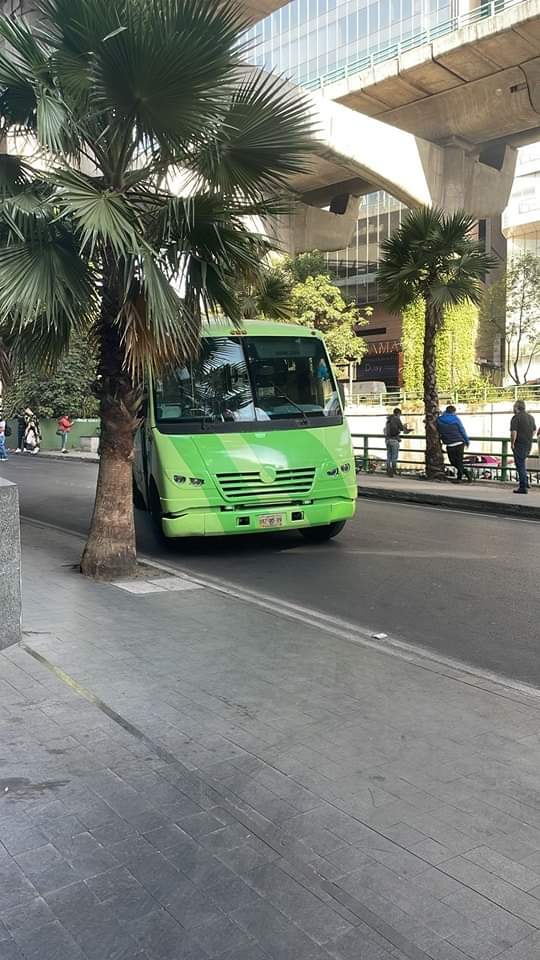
pixel 250 380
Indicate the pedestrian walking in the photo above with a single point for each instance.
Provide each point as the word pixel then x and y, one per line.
pixel 454 436
pixel 522 430
pixel 3 429
pixel 64 426
pixel 32 432
pixel 393 430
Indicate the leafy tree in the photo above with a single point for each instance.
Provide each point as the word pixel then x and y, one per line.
pixel 117 95
pixel 67 390
pixel 317 302
pixel 511 306
pixel 432 258
pixel 454 347
pixel 309 264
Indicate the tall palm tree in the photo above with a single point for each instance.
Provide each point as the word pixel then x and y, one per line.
pixel 431 257
pixel 115 107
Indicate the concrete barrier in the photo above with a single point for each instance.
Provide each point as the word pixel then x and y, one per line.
pixel 10 565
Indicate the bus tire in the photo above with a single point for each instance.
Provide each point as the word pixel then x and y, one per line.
pixel 138 499
pixel 321 534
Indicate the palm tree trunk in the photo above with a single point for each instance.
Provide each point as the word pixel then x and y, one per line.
pixel 434 454
pixel 110 552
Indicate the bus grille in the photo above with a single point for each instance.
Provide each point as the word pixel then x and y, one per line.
pixel 245 487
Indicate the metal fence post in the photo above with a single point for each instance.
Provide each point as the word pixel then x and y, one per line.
pixel 504 460
pixel 366 453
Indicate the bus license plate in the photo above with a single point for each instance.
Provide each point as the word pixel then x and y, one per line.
pixel 271 520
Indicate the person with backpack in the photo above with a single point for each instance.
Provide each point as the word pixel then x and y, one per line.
pixel 455 438
pixel 393 429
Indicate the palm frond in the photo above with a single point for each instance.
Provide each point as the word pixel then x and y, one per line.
pixel 100 215
pixel 44 280
pixel 166 68
pixel 265 136
pixel 157 327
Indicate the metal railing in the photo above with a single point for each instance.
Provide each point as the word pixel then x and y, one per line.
pixel 394 50
pixel 485 393
pixel 370 457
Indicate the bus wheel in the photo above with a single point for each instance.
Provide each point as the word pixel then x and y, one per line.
pixel 138 499
pixel 320 534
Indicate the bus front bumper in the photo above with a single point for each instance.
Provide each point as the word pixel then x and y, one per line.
pixel 214 521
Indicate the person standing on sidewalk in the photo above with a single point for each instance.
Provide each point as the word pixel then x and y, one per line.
pixel 455 438
pixel 64 426
pixel 21 427
pixel 522 430
pixel 393 429
pixel 3 451
pixel 32 433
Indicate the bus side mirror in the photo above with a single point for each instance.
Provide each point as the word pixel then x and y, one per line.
pixel 341 391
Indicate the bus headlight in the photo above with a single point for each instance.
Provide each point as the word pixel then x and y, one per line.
pixel 333 472
pixel 345 467
pixel 194 481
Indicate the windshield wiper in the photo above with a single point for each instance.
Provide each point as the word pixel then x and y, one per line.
pixel 283 396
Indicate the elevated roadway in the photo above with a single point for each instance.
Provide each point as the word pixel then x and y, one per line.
pixel 474 80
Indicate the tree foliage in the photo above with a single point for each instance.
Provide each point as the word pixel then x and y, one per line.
pixel 317 302
pixel 67 390
pixel 269 296
pixel 304 265
pixel 511 306
pixel 454 347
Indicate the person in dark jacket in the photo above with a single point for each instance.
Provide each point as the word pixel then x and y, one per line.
pixel 522 429
pixel 393 429
pixel 454 436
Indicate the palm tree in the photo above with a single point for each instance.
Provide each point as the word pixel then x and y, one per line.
pixel 115 108
pixel 268 296
pixel 432 258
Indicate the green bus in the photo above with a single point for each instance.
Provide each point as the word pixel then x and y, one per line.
pixel 250 437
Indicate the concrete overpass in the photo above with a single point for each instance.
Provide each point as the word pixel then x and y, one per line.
pixel 357 155
pixel 477 84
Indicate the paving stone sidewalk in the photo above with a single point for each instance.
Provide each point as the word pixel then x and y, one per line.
pixel 184 776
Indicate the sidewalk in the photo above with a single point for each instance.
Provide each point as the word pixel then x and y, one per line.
pixel 186 776
pixel 482 497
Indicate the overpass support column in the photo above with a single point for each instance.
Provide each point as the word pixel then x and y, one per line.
pixel 469 184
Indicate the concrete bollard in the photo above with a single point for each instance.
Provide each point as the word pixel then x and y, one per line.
pixel 10 565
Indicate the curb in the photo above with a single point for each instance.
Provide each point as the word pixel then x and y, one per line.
pixel 469 504
pixel 73 457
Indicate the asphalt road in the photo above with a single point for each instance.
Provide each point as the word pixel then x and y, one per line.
pixel 466 586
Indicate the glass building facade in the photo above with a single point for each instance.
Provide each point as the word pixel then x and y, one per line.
pixel 307 39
